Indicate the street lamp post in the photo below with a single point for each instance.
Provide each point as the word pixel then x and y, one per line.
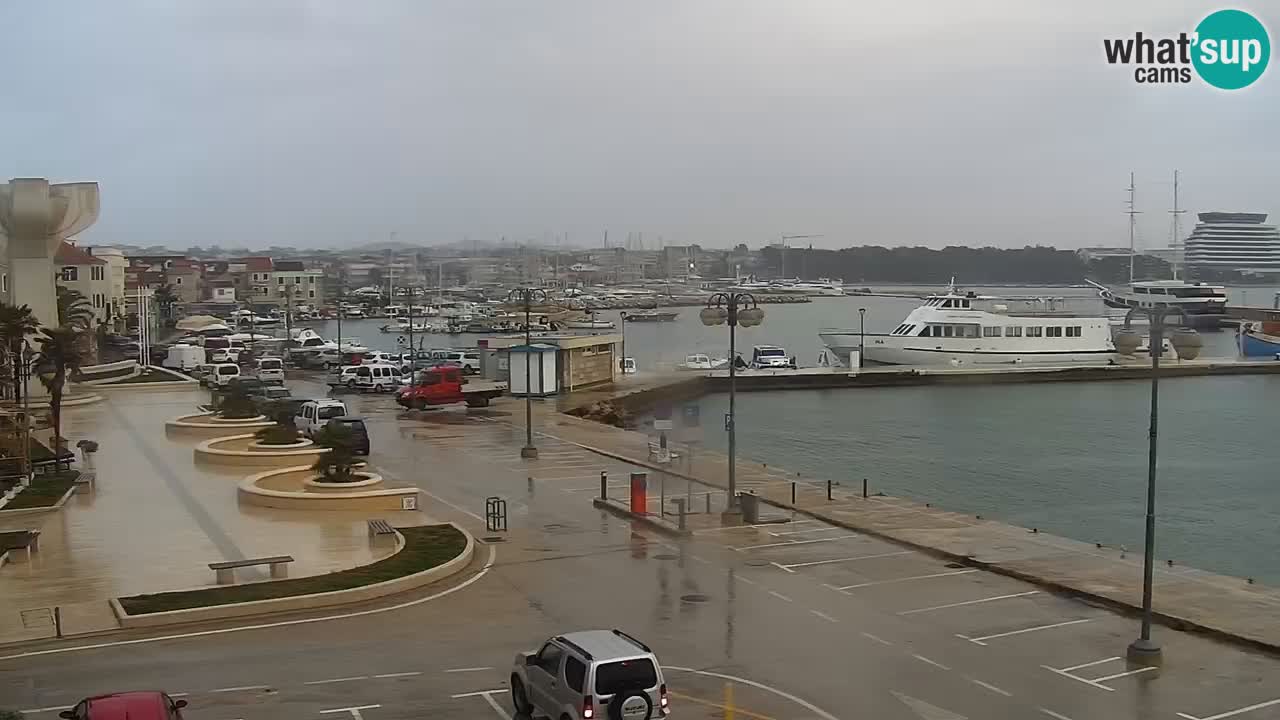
pixel 1187 344
pixel 527 297
pixel 622 361
pixel 862 334
pixel 735 309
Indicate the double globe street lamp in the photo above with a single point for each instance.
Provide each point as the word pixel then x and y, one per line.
pixel 735 309
pixel 527 297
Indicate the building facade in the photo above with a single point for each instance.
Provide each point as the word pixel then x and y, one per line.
pixel 88 275
pixel 1233 242
pixel 117 269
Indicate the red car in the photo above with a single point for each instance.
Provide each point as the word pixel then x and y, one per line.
pixel 127 706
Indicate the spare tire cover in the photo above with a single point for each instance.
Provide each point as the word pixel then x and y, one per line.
pixel 631 705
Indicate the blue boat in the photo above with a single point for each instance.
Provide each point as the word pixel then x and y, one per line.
pixel 1256 344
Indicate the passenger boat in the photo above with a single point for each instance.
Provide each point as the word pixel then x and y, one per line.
pixel 1205 305
pixel 956 328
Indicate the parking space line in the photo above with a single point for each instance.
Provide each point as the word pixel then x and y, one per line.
pixel 729 711
pixel 992 688
pixel 1073 668
pixel 806 531
pixel 1077 678
pixel 747 527
pixel 982 640
pixel 779 595
pixel 1052 714
pixel 824 616
pixel 744 548
pixel 877 638
pixel 969 602
pixel 502 713
pixel 478 692
pixel 336 680
pixel 355 711
pixel 934 663
pixel 468 669
pixel 788 566
pixel 242 688
pixel 908 579
pixel 412 673
pixel 1233 713
pixel 1124 674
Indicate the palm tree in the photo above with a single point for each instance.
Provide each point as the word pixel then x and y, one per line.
pixel 61 353
pixel 336 465
pixel 74 309
pixel 165 297
pixel 16 323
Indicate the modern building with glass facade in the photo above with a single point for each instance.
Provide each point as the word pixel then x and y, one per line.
pixel 1232 242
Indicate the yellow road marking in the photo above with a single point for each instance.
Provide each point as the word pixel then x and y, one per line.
pixel 728 710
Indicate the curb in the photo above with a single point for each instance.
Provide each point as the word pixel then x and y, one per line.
pixel 23 512
pixel 313 601
pixel 662 526
pixel 1171 621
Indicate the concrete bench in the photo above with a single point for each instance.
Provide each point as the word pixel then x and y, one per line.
pixel 226 570
pixel 380 527
pixel 655 449
pixel 28 540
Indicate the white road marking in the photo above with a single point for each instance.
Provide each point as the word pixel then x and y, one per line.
pixel 1124 674
pixel 982 640
pixel 908 579
pixel 412 673
pixel 1090 664
pixel 877 638
pixel 760 686
pixel 337 680
pixel 478 692
pixel 241 688
pixel 1052 714
pixel 926 711
pixel 1233 713
pixel 699 558
pixel 824 616
pixel 782 567
pixel 1077 678
pixel 934 663
pixel 355 711
pixel 991 687
pixel 788 566
pixel 968 602
pixel 496 707
pixel 441 500
pixel 779 595
pixel 745 548
pixel 264 626
pixel 55 708
pixel 748 581
pixel 806 531
pixel 746 527
pixel 471 669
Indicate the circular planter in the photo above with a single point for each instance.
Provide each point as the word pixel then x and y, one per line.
pixel 370 481
pixel 301 444
pixel 206 425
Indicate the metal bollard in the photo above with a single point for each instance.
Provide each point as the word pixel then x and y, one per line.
pixel 662 494
pixel 604 485
pixel 793 493
pixel 864 487
pixel 57 620
pixel 828 489
pixel 530 483
pixel 708 503
pixel 680 510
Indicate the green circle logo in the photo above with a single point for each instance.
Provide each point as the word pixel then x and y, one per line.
pixel 1232 49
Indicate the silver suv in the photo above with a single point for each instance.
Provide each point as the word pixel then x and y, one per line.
pixel 590 674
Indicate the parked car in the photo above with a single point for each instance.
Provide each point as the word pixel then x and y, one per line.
pixel 770 356
pixel 378 378
pixel 359 431
pixel 446 385
pixel 270 370
pixel 590 674
pixel 224 373
pixel 469 361
pixel 127 706
pixel 248 385
pixel 315 413
pixel 184 357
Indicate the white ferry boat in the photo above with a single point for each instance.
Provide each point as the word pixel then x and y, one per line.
pixel 966 329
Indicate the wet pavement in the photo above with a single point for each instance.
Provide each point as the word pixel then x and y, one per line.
pixel 801 619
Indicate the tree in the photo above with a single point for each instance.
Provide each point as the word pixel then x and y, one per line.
pixel 337 465
pixel 237 405
pixel 16 323
pixel 61 353
pixel 74 309
pixel 165 296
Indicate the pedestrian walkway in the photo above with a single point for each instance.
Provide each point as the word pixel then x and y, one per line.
pixel 153 522
pixel 1185 597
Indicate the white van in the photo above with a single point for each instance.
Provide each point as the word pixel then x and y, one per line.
pixel 271 370
pixel 223 373
pixel 223 350
pixel 184 357
pixel 314 414
pixel 381 377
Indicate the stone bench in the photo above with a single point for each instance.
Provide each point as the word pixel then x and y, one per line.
pixel 28 540
pixel 380 527
pixel 226 570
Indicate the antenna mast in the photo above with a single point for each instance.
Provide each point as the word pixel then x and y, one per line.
pixel 1175 230
pixel 1133 214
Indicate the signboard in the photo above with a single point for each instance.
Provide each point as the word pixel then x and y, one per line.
pixel 692 415
pixel 409 502
pixel 663 425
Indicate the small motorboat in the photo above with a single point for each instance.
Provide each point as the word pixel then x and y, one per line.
pixel 591 323
pixel 651 316
pixel 702 361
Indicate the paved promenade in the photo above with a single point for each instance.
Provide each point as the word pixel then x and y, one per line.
pixel 1184 597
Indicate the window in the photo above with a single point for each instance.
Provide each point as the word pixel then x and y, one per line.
pixel 1073 331
pixel 946 331
pixel 1035 331
pixel 95 272
pixel 549 659
pixel 990 331
pixel 280 280
pixel 70 274
pixel 176 281
pixel 311 280
pixel 1013 331
pixel 575 672
pixel 1053 331
pixel 311 293
pixel 614 677
pixel 946 303
pixel 962 303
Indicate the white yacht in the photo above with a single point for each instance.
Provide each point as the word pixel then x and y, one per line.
pixel 702 361
pixel 966 329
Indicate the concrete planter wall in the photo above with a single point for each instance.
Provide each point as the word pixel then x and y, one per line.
pixel 243 450
pixel 208 425
pixel 293 488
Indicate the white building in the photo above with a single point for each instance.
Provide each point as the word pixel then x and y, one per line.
pixel 1230 241
pixel 116 265
pixel 78 270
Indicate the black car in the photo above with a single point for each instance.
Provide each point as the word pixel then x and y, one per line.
pixel 360 433
pixel 251 386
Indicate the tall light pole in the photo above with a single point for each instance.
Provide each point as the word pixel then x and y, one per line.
pixel 862 334
pixel 735 309
pixel 1187 344
pixel 527 296
pixel 622 362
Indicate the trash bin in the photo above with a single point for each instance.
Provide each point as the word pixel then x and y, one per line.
pixel 750 508
pixel 639 493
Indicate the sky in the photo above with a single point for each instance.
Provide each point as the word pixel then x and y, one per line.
pixel 334 123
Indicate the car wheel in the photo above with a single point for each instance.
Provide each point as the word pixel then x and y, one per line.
pixel 351 384
pixel 520 698
pixel 419 404
pixel 377 388
pixel 631 705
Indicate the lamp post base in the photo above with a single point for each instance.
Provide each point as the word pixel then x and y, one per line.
pixel 529 452
pixel 1144 652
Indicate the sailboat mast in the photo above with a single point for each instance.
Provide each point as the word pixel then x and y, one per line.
pixel 1132 212
pixel 1175 242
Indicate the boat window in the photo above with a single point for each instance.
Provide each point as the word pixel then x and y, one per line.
pixel 1013 331
pixel 990 331
pixel 946 330
pixel 946 303
pixel 1140 290
pixel 1035 331
pixel 1053 331
pixel 1073 331
pixel 970 331
pixel 962 303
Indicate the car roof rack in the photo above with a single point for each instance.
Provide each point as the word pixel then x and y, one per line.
pixel 634 641
pixel 569 643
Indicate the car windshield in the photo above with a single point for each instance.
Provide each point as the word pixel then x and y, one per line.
pixel 331 411
pixel 776 352
pixel 229 370
pixel 614 677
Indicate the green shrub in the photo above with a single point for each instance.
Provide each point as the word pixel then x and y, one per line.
pixel 336 466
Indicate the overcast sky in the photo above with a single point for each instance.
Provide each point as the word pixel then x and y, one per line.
pixel 326 124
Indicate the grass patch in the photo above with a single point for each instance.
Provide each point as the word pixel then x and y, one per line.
pixel 425 547
pixel 44 491
pixel 148 375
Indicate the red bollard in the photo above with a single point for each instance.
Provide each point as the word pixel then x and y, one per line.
pixel 640 493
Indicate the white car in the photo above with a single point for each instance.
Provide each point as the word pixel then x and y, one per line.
pixel 223 374
pixel 315 413
pixel 590 675
pixel 271 370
